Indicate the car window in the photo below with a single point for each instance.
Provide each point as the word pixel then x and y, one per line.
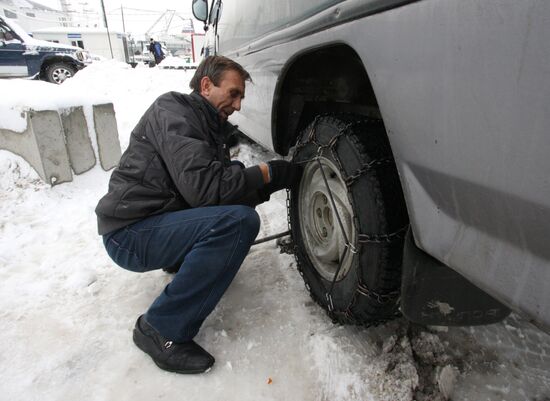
pixel 7 35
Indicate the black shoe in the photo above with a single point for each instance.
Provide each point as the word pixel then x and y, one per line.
pixel 187 357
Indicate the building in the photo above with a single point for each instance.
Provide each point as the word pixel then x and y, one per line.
pixel 31 15
pixel 94 40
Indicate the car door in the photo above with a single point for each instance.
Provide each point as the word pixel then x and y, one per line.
pixel 12 59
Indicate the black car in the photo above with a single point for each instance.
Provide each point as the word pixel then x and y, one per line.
pixel 23 56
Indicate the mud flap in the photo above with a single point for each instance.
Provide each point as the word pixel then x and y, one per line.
pixel 434 294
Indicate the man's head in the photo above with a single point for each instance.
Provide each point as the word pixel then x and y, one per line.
pixel 222 82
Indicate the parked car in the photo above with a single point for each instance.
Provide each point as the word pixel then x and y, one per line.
pixel 24 56
pixel 423 129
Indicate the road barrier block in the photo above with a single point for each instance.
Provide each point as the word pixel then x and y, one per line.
pixel 107 135
pixel 79 145
pixel 42 145
pixel 56 141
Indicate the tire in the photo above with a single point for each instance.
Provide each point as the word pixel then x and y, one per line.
pixel 366 289
pixel 57 73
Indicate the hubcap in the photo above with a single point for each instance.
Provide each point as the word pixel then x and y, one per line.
pixel 61 74
pixel 323 237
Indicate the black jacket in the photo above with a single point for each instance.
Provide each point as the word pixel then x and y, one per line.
pixel 176 159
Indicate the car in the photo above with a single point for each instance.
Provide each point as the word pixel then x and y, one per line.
pixel 422 129
pixel 22 56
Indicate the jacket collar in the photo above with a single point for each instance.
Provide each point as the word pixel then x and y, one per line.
pixel 212 117
pixel 211 111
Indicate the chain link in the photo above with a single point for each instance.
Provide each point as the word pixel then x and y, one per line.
pixel 352 178
pixel 383 238
pixel 381 298
pixel 289 246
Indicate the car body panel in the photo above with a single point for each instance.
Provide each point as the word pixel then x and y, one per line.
pixel 463 89
pixel 12 61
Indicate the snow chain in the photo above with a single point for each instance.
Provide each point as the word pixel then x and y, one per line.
pixel 362 290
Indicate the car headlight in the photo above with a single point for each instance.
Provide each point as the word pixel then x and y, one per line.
pixel 83 56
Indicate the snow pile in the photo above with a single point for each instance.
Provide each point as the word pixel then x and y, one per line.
pixel 17 173
pixel 130 90
pixel 37 95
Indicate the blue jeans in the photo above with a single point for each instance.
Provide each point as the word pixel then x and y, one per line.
pixel 208 243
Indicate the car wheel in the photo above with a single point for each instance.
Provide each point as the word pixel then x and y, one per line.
pixel 57 73
pixel 348 219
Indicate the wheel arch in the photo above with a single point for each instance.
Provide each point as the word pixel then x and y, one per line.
pixel 304 90
pixel 310 84
pixel 57 59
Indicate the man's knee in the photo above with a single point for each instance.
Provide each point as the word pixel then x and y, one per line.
pixel 248 219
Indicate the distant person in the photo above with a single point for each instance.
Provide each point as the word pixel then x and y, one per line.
pixel 156 50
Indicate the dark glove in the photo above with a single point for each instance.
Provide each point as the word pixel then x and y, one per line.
pixel 283 174
pixel 265 192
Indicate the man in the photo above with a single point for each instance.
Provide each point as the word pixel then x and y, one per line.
pixel 177 200
pixel 156 50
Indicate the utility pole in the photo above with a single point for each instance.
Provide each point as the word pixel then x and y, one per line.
pixel 107 26
pixel 122 13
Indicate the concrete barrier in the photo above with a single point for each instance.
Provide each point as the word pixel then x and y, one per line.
pixel 79 145
pixel 42 145
pixel 107 135
pixel 55 142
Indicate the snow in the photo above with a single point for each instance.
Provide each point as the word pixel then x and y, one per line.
pixel 67 311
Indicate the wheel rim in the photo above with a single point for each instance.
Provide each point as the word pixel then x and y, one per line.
pixel 60 74
pixel 323 238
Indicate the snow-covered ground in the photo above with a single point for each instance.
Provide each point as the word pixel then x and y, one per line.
pixel 67 311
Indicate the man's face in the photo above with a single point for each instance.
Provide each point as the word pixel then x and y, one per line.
pixel 227 96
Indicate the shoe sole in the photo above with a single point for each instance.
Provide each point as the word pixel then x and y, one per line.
pixel 163 366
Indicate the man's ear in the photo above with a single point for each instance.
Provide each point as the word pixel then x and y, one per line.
pixel 206 84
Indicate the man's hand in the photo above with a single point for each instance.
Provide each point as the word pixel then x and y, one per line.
pixel 283 174
pixel 278 174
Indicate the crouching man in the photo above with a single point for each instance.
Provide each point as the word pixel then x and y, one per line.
pixel 177 201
